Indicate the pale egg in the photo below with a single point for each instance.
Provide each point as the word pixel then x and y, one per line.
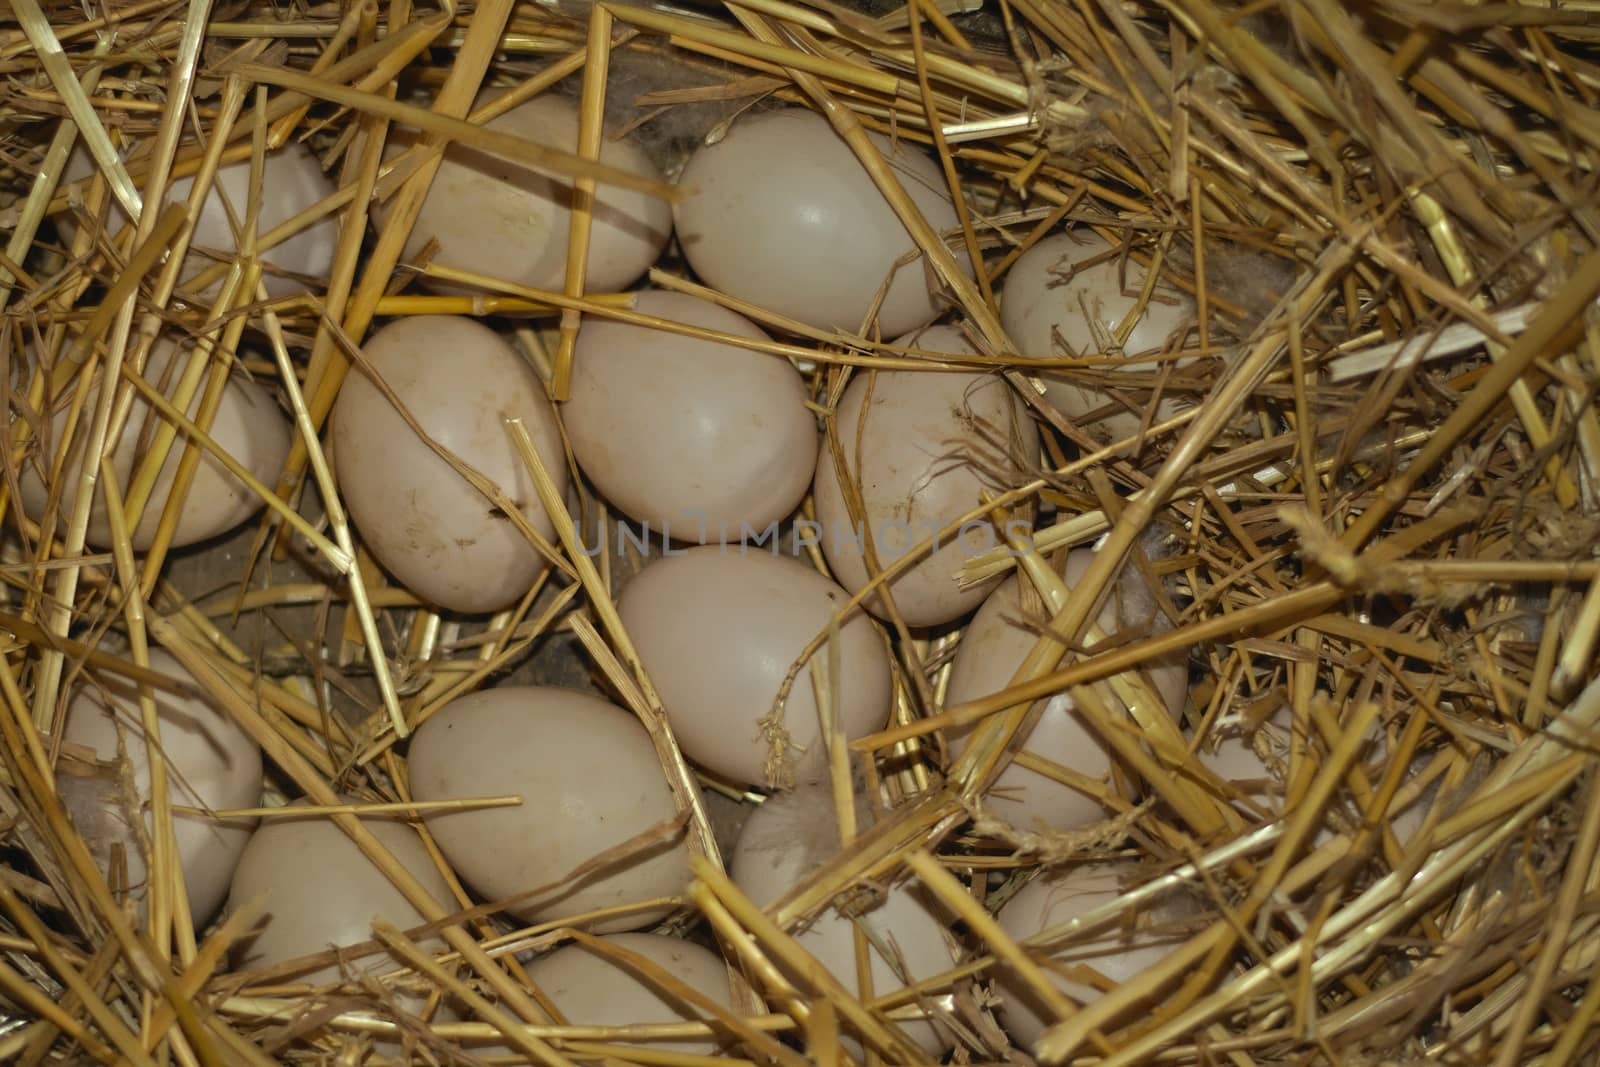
pixel 1114 949
pixel 787 838
pixel 923 446
pixel 211 764
pixel 781 213
pixel 994 645
pixel 248 425
pixel 321 891
pixel 718 627
pixel 291 181
pixel 435 532
pixel 589 780
pixel 590 988
pixel 694 438
pixel 506 220
pixel 1067 296
pixel 1251 763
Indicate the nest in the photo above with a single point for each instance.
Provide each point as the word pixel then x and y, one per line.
pixel 1372 511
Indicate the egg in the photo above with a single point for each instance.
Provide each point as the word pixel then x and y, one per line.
pixel 211 764
pixel 507 220
pixel 994 645
pixel 291 181
pixel 791 835
pixel 321 891
pixel 717 627
pixel 923 446
pixel 694 438
pixel 436 533
pixel 1117 948
pixel 248 425
pixel 1251 765
pixel 781 213
pixel 590 780
pixel 1047 317
pixel 591 989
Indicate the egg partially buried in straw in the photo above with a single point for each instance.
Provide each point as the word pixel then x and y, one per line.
pixel 593 988
pixel 787 838
pixel 1114 949
pixel 718 627
pixel 442 538
pixel 589 779
pixel 520 217
pixel 248 425
pixel 211 764
pixel 698 439
pixel 321 891
pixel 995 643
pixel 784 180
pixel 292 181
pixel 1068 295
pixel 923 446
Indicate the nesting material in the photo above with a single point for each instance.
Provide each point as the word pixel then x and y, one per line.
pixel 1330 407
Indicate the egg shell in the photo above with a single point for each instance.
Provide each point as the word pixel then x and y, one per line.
pixel 291 181
pixel 693 437
pixel 592 989
pixel 1233 757
pixel 520 217
pixel 322 891
pixel 717 628
pixel 792 834
pixel 590 780
pixel 211 764
pixel 781 213
pixel 923 447
pixel 426 523
pixel 248 425
pixel 1118 948
pixel 1041 313
pixel 996 642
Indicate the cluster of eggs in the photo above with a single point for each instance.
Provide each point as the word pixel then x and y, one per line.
pixel 696 432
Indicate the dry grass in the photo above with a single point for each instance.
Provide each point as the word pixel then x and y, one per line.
pixel 1378 509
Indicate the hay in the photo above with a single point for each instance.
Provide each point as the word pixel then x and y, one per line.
pixel 1374 514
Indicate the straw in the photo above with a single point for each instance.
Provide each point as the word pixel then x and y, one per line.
pixel 1363 490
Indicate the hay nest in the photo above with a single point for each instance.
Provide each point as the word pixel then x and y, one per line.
pixel 1371 512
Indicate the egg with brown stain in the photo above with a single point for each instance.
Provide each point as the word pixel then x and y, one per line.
pixel 431 528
